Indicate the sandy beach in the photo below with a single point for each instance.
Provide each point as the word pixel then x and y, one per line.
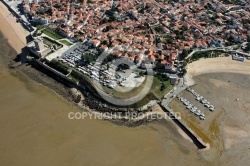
pixel 12 31
pixel 217 65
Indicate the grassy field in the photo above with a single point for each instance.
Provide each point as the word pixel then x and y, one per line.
pixel 51 34
pixel 48 32
pixel 39 27
pixel 156 87
pixel 65 42
pixel 155 93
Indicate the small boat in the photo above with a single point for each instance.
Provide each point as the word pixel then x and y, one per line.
pixel 212 109
pixel 198 98
pixel 196 113
pixel 202 117
pixel 207 105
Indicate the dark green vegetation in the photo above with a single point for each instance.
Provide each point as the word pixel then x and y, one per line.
pixel 76 75
pixel 88 57
pixel 248 38
pixel 159 29
pixel 49 32
pixel 204 54
pixel 39 27
pixel 59 66
pixel 65 42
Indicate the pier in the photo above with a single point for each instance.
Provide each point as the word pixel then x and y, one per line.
pixel 196 139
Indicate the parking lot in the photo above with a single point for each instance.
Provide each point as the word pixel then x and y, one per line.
pixel 77 58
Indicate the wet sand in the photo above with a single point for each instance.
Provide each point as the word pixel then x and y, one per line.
pixel 227 129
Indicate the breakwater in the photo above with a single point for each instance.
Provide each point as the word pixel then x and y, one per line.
pixel 196 139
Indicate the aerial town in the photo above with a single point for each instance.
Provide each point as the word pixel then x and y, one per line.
pixel 70 36
pixel 158 35
pixel 131 60
pixel 155 31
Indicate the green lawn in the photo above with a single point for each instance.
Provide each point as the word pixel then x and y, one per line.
pixel 51 34
pixel 156 88
pixel 65 42
pixel 155 92
pixel 39 27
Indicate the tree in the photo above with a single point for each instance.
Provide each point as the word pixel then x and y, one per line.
pixel 163 86
pixel 184 64
pixel 141 73
pixel 87 57
pixel 248 38
pixel 159 29
pixel 105 42
pixel 58 66
pixel 169 40
pixel 49 11
pixel 184 71
pixel 165 77
pixel 184 28
pixel 185 53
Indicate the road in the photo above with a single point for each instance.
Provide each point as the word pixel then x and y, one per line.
pixel 226 49
pixel 174 92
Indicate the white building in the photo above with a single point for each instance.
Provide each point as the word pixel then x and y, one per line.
pixel 39 44
pixel 40 20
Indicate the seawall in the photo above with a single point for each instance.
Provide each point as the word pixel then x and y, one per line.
pixel 196 139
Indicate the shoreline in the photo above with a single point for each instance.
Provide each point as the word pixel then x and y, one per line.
pixel 10 34
pixel 31 73
pixel 63 91
pixel 12 31
pixel 215 65
pixel 196 70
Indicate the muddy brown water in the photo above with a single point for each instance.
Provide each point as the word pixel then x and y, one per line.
pixel 35 130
